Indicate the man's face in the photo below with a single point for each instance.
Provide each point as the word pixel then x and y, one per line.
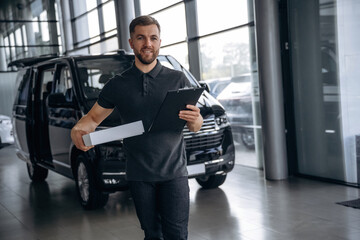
pixel 145 42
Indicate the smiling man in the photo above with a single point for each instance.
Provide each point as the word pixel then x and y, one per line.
pixel 156 161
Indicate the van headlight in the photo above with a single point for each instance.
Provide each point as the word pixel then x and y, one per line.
pixel 222 120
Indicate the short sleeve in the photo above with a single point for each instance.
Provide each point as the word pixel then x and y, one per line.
pixel 106 99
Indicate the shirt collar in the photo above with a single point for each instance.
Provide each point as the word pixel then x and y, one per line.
pixel 153 73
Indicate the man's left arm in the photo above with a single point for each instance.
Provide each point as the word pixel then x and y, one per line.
pixel 193 117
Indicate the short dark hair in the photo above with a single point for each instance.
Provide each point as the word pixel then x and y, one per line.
pixel 144 20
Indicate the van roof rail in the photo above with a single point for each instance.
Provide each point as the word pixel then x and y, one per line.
pixel 118 51
pixel 20 63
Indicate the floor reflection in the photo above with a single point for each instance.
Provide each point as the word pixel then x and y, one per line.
pixel 210 214
pixel 245 207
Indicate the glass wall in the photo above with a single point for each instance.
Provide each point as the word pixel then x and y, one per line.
pixel 325 59
pixel 173 33
pixel 33 31
pixel 229 66
pixel 229 13
pixel 94 25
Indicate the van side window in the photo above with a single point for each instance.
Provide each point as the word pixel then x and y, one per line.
pixel 64 85
pixel 90 81
pixel 47 77
pixel 23 91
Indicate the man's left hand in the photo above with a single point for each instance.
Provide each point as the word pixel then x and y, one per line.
pixel 193 117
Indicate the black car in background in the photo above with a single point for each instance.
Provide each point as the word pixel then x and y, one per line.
pixel 55 92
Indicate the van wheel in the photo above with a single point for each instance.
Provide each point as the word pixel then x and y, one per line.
pixel 213 181
pixel 36 173
pixel 90 197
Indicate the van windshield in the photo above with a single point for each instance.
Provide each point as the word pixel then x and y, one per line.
pixel 95 72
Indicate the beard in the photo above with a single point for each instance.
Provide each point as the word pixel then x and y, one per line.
pixel 147 60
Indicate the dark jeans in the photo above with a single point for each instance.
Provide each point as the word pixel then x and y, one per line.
pixel 162 208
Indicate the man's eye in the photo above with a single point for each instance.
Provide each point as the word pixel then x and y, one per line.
pixel 139 38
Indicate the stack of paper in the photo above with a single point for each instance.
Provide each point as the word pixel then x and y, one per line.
pixel 114 133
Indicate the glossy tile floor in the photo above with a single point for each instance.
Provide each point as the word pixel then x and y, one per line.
pixel 245 207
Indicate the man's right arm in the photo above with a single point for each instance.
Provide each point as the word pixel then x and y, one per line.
pixel 88 124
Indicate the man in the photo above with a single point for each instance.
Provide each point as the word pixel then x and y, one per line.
pixel 156 161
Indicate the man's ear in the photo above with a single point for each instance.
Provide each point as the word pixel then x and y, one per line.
pixel 131 43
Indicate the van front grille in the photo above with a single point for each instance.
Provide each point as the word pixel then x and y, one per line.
pixel 209 136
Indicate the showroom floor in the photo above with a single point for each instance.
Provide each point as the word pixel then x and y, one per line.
pixel 245 207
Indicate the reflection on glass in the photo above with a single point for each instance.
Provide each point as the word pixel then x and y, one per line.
pixel 45 36
pixel 19 42
pixel 80 7
pixel 25 37
pixel 326 87
pixel 109 16
pixel 60 44
pixel 179 52
pixel 225 55
pixel 35 24
pixel 104 46
pixel 7 49
pixel 93 24
pixel 316 88
pixel 148 7
pixel 214 15
pixel 175 30
pixel 57 19
pixel 111 33
pixel 12 44
pixel 18 37
pixel 226 66
pixel 90 4
pixel 82 32
pixel 91 21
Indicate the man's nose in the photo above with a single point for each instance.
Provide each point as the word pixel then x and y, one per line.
pixel 147 42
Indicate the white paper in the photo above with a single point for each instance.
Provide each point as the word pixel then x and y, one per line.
pixel 114 133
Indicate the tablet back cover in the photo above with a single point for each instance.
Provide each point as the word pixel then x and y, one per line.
pixel 167 118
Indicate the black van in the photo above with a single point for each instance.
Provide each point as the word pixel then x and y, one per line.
pixel 55 92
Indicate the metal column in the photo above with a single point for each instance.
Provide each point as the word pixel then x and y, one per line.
pixel 193 39
pixel 270 80
pixel 125 13
pixel 68 33
pixel 3 66
pixel 51 15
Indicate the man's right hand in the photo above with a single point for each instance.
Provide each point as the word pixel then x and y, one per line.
pixel 76 136
pixel 88 124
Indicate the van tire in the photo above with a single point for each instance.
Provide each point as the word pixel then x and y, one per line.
pixel 90 197
pixel 36 173
pixel 212 181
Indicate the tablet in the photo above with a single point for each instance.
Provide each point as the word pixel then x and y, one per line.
pixel 167 118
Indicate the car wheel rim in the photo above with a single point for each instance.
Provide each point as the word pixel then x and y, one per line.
pixel 248 139
pixel 83 182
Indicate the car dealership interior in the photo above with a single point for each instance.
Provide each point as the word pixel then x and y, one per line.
pixel 277 156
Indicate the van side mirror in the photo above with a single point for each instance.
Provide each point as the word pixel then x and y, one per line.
pixel 205 85
pixel 56 100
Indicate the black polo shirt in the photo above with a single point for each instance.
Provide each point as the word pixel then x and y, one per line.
pixel 137 96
